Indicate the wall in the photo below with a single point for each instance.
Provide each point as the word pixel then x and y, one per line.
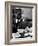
pixel 2 22
pixel 27 12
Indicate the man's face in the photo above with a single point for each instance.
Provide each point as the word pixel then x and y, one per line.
pixel 16 20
